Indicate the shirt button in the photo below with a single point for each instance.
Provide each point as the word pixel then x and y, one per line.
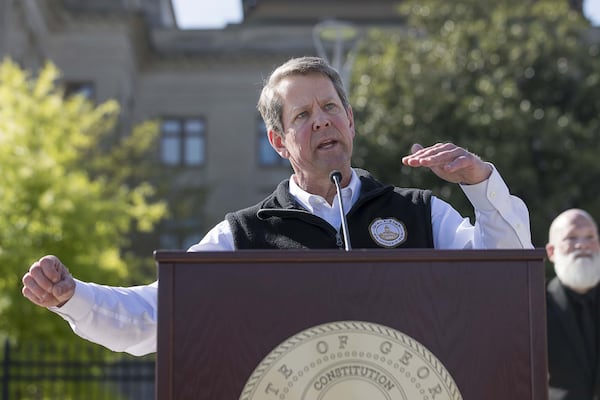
pixel 492 195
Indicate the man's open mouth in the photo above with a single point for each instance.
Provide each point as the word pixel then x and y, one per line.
pixel 327 144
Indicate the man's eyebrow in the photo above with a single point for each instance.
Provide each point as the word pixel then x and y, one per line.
pixel 295 109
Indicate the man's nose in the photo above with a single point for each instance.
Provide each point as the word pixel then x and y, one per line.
pixel 321 121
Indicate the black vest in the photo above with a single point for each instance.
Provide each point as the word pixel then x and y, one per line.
pixel 279 222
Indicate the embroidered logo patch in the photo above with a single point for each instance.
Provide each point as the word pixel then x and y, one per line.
pixel 388 232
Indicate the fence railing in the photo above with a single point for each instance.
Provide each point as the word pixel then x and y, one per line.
pixel 76 372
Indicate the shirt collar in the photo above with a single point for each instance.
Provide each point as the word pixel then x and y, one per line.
pixel 307 200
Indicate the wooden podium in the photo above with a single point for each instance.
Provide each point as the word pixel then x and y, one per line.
pixel 226 317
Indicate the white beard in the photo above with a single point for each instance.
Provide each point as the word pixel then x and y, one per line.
pixel 577 273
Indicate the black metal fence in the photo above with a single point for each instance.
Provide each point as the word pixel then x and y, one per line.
pixel 77 372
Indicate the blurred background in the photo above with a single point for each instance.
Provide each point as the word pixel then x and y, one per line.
pixel 128 126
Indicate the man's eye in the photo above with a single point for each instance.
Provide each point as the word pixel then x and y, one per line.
pixel 301 115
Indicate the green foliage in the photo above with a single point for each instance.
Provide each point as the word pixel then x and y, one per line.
pixel 64 192
pixel 515 82
pixel 45 371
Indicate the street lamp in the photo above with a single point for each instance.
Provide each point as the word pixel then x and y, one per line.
pixel 337 38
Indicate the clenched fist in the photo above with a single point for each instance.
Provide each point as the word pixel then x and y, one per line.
pixel 48 283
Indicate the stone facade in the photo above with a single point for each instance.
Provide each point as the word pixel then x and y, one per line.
pixel 132 51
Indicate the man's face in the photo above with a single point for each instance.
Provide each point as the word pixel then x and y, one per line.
pixel 318 130
pixel 575 251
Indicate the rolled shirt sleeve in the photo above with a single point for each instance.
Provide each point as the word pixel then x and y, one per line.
pixel 501 219
pixel 121 319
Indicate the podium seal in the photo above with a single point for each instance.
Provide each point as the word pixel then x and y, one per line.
pixel 350 360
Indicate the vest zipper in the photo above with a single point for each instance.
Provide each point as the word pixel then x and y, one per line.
pixel 339 241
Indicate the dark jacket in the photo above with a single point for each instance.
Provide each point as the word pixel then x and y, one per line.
pixel 384 216
pixel 571 377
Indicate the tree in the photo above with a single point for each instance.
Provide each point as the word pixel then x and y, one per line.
pixel 515 82
pixel 63 192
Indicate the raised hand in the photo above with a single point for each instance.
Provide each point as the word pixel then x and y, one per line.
pixel 449 162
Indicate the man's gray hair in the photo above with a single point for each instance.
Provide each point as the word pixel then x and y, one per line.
pixel 269 103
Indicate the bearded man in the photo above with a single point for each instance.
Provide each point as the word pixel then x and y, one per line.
pixel 572 307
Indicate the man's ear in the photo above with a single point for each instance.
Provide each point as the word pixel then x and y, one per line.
pixel 350 114
pixel 278 143
pixel 550 252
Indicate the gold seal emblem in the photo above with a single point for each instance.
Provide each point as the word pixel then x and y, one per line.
pixel 387 232
pixel 350 360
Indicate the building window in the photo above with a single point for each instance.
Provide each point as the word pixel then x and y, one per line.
pixel 83 88
pixel 183 141
pixel 267 156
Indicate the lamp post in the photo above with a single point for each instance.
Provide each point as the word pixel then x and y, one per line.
pixel 335 41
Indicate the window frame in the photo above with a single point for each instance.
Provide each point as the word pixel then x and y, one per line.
pixel 183 137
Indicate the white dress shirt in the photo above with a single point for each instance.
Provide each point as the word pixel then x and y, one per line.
pixel 124 319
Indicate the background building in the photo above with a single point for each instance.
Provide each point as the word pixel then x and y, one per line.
pixel 202 85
